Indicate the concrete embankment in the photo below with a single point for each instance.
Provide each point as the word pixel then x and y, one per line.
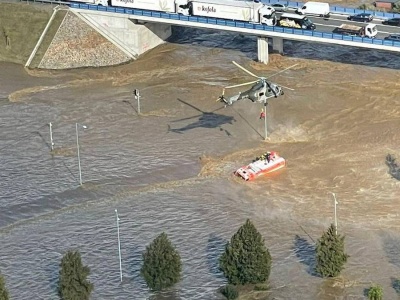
pixel 76 45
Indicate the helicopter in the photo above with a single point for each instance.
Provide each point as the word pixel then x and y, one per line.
pixel 260 92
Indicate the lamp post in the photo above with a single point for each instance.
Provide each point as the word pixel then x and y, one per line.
pixel 265 121
pixel 119 247
pixel 51 137
pixel 136 93
pixel 334 198
pixel 77 147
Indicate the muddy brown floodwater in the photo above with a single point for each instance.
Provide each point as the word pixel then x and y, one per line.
pixel 170 169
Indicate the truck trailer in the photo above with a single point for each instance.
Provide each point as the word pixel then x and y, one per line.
pixel 157 5
pixel 369 30
pixel 248 11
pixel 295 21
pixel 94 2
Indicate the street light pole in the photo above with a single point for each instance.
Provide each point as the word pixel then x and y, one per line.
pixel 334 198
pixel 51 137
pixel 77 147
pixel 265 122
pixel 119 247
pixel 136 93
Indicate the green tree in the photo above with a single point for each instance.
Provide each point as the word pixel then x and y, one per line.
pixel 375 293
pixel 229 291
pixel 246 259
pixel 73 283
pixel 3 289
pixel 330 255
pixel 161 264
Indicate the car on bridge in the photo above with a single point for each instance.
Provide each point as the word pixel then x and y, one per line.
pixel 364 17
pixel 393 37
pixel 280 7
pixel 392 22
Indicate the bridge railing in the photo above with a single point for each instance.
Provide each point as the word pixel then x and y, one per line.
pixel 334 9
pixel 237 24
pixel 339 9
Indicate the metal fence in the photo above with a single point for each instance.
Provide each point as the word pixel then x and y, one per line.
pixel 338 9
pixel 205 20
pixel 333 9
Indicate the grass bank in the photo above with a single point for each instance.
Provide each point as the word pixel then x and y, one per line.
pixel 21 25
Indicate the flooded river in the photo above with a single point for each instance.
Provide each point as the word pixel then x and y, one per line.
pixel 170 168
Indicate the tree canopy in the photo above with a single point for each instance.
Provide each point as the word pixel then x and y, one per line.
pixel 246 259
pixel 330 255
pixel 161 264
pixel 3 289
pixel 73 283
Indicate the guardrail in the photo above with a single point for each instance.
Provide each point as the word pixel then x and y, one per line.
pixel 339 10
pixel 237 24
pixel 59 2
pixel 334 9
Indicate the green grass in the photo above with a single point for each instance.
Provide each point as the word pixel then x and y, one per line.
pixel 51 32
pixel 23 23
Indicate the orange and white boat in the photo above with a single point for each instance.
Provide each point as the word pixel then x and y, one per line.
pixel 266 163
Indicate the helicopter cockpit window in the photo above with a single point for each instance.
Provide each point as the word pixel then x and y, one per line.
pixel 261 94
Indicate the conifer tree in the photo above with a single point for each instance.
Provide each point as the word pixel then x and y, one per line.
pixel 161 264
pixel 3 289
pixel 246 259
pixel 330 255
pixel 73 283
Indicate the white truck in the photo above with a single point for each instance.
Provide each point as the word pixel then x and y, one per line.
pixel 321 9
pixel 248 11
pixel 94 2
pixel 369 30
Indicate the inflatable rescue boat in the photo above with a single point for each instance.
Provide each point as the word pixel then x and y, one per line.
pixel 266 163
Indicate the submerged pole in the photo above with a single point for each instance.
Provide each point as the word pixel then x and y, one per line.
pixel 265 122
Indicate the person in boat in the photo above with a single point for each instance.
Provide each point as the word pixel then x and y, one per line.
pixel 268 157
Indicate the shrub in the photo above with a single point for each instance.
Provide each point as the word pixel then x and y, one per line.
pixel 229 291
pixel 3 289
pixel 367 6
pixel 73 283
pixel 330 254
pixel 161 264
pixel 394 168
pixel 261 287
pixel 375 293
pixel 246 259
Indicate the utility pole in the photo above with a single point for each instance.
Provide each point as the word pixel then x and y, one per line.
pixel 334 198
pixel 51 137
pixel 265 121
pixel 119 247
pixel 77 147
pixel 136 93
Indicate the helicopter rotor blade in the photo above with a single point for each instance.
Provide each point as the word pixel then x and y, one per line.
pixel 191 105
pixel 247 71
pixel 282 71
pixel 285 87
pixel 241 84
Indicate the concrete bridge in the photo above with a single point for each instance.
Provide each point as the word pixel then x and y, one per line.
pixel 137 31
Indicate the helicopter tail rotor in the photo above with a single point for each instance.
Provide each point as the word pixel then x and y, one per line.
pixel 223 99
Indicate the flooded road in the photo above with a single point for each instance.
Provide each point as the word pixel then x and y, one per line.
pixel 170 168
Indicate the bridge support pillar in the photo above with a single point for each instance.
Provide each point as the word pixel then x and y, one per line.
pixel 277 44
pixel 262 45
